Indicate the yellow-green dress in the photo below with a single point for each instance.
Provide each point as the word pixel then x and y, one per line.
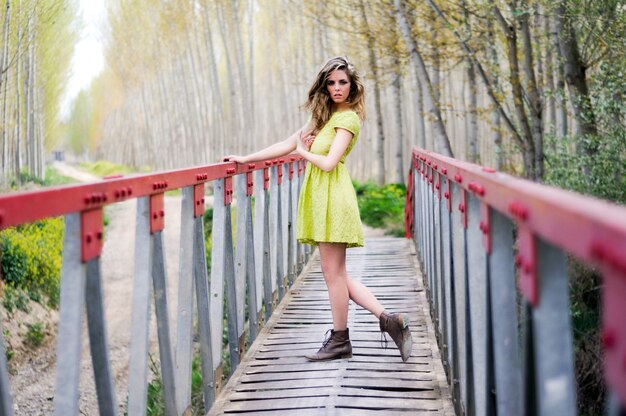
pixel 328 209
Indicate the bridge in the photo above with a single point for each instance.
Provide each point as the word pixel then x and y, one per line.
pixel 483 277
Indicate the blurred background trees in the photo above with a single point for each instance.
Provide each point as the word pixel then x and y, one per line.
pixel 531 87
pixel 37 43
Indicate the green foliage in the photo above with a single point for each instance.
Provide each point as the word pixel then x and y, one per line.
pixel 31 257
pixel 14 299
pixel 104 168
pixel 585 300
pixel 155 401
pixel 207 219
pixel 606 176
pixel 53 177
pixel 35 335
pixel 382 206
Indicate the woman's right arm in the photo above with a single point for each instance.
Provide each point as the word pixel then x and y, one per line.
pixel 279 149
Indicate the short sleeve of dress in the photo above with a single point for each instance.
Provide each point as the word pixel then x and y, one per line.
pixel 348 120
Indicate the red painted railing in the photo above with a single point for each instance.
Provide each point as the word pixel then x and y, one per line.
pixel 478 231
pixel 235 274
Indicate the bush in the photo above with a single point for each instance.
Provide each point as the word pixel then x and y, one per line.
pixel 104 168
pixel 31 258
pixel 382 207
pixel 35 335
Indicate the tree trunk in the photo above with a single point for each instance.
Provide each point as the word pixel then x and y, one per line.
pixel 576 78
pixel 472 101
pixel 549 79
pixel 380 141
pixel 18 99
pixel 397 92
pixel 496 122
pixel 534 96
pixel 432 105
pixel 518 94
pixel 3 82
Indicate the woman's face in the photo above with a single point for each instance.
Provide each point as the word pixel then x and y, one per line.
pixel 338 86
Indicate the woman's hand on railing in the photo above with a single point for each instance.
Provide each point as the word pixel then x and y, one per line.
pixel 235 158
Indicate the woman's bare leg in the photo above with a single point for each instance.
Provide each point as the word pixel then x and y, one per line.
pixel 333 260
pixel 341 287
pixel 362 296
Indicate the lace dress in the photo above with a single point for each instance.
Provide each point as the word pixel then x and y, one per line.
pixel 327 209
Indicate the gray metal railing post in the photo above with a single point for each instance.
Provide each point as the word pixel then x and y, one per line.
pixel 6 402
pixel 98 344
pixel 448 285
pixel 262 246
pixel 140 320
pixel 479 311
pixel 460 296
pixel 506 353
pixel 184 327
pixel 69 342
pixel 241 187
pixel 159 280
pixel 276 236
pixel 218 271
pixel 204 317
pixel 553 343
pixel 223 276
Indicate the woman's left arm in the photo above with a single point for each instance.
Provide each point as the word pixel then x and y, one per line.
pixel 337 149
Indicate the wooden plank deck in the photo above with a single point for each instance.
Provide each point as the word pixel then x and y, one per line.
pixel 275 379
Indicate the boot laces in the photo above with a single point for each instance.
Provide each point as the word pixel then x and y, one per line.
pixel 327 338
pixel 383 336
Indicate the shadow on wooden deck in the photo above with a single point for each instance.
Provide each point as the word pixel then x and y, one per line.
pixel 275 379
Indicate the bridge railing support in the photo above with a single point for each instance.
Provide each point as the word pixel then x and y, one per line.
pixel 251 268
pixel 493 250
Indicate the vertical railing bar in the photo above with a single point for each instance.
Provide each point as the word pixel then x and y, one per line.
pixel 431 253
pixel 204 319
pixel 528 360
pixel 69 342
pixel 98 344
pixel 477 291
pixel 448 286
pixel 277 205
pixel 217 281
pixel 504 317
pixel 553 343
pixel 284 209
pixel 290 228
pixel 6 401
pixel 231 291
pixel 441 294
pixel 184 327
pixel 274 208
pixel 422 225
pixel 299 246
pixel 460 290
pixel 241 187
pixel 140 320
pixel 267 264
pixel 251 280
pixel 260 214
pixel 159 280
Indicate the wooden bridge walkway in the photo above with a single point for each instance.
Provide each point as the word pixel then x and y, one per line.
pixel 275 378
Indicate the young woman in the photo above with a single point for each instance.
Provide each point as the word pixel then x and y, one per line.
pixel 328 214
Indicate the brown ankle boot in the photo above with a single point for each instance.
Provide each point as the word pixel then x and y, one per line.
pixel 397 326
pixel 334 347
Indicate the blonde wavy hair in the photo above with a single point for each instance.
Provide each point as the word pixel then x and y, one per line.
pixel 319 102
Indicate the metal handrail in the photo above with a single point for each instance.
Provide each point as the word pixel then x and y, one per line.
pixel 510 352
pixel 256 271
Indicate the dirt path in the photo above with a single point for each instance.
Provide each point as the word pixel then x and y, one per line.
pixel 33 382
